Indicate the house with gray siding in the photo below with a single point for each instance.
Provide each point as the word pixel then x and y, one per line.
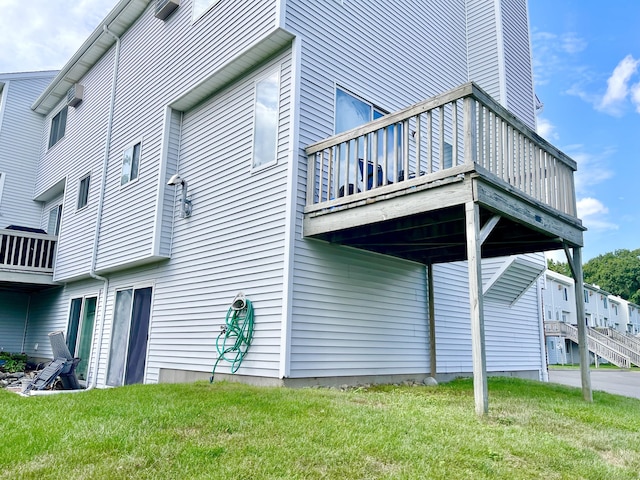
pixel 333 162
pixel 20 132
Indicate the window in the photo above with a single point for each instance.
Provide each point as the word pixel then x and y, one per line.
pixel 565 294
pixel 55 215
pixel 351 112
pixel 129 333
pixel 83 192
pixel 604 302
pixel 130 163
pixel 586 296
pixel 82 316
pixel 265 123
pixel 58 126
pixel 201 6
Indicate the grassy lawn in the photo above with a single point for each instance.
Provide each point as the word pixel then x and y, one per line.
pixel 233 431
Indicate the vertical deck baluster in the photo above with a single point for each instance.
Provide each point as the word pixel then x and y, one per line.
pixel 429 142
pixel 552 180
pixel 418 146
pixel 365 163
pixel 487 139
pixel 43 247
pixel 482 160
pixel 356 167
pixel 536 172
pixel 441 137
pixel 470 137
pixel 405 149
pixel 454 133
pixel 330 182
pixel 518 156
pixel 311 178
pixel 505 151
pixel 396 153
pixel 345 190
pixel 385 156
pixel 374 149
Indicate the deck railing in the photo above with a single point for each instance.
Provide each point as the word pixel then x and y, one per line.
pixel 27 252
pixel 596 346
pixel 460 131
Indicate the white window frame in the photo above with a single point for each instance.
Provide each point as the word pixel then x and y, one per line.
pixel 82 179
pixel 66 117
pixel 131 147
pixel 58 222
pixel 200 8
pixel 266 75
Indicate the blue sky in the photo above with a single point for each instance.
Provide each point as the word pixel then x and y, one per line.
pixel 587 73
pixel 586 57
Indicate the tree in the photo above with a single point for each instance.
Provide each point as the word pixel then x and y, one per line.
pixel 616 272
pixel 559 267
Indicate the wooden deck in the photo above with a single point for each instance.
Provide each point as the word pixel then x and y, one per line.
pixel 457 148
pixel 456 177
pixel 26 260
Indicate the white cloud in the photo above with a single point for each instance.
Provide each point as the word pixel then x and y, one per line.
pixel 594 214
pixel 593 167
pixel 618 86
pixel 635 96
pixel 546 129
pixel 571 43
pixel 44 34
pixel 555 54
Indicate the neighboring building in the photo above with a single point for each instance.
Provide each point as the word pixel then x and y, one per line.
pixel 20 132
pixel 229 95
pixel 602 311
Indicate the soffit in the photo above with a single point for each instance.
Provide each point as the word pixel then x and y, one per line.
pixel 121 17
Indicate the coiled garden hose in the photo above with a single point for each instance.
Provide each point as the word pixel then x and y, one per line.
pixel 235 336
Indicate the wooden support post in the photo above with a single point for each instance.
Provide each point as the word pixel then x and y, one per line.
pixel 575 263
pixel 474 258
pixel 432 322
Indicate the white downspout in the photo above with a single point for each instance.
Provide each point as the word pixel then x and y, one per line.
pixel 544 370
pixel 96 237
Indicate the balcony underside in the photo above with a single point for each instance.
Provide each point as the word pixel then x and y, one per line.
pixel 425 222
pixel 25 282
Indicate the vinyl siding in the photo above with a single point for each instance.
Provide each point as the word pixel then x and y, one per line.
pixel 512 334
pixel 186 53
pixel 19 148
pixel 483 54
pixel 517 59
pixel 78 153
pixel 14 308
pixel 234 240
pixel 357 313
pixel 158 62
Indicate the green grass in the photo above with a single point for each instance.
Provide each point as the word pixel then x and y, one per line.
pixel 233 431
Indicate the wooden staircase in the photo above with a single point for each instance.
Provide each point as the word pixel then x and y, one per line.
pixel 602 345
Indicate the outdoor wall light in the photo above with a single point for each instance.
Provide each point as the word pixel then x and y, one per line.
pixel 176 180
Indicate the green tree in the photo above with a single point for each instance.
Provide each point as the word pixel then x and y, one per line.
pixel 616 272
pixel 559 267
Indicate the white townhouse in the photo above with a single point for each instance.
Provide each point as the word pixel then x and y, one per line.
pixel 330 159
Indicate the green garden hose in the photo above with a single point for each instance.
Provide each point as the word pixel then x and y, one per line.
pixel 235 336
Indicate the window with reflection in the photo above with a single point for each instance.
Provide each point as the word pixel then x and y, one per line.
pixel 266 117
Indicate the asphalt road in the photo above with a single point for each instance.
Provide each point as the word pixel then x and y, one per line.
pixel 620 382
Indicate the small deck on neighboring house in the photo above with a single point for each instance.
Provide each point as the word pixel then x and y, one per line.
pixel 26 260
pixel 455 177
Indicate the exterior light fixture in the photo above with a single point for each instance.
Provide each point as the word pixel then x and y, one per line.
pixel 175 181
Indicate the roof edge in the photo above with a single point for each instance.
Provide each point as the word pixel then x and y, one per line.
pixel 133 7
